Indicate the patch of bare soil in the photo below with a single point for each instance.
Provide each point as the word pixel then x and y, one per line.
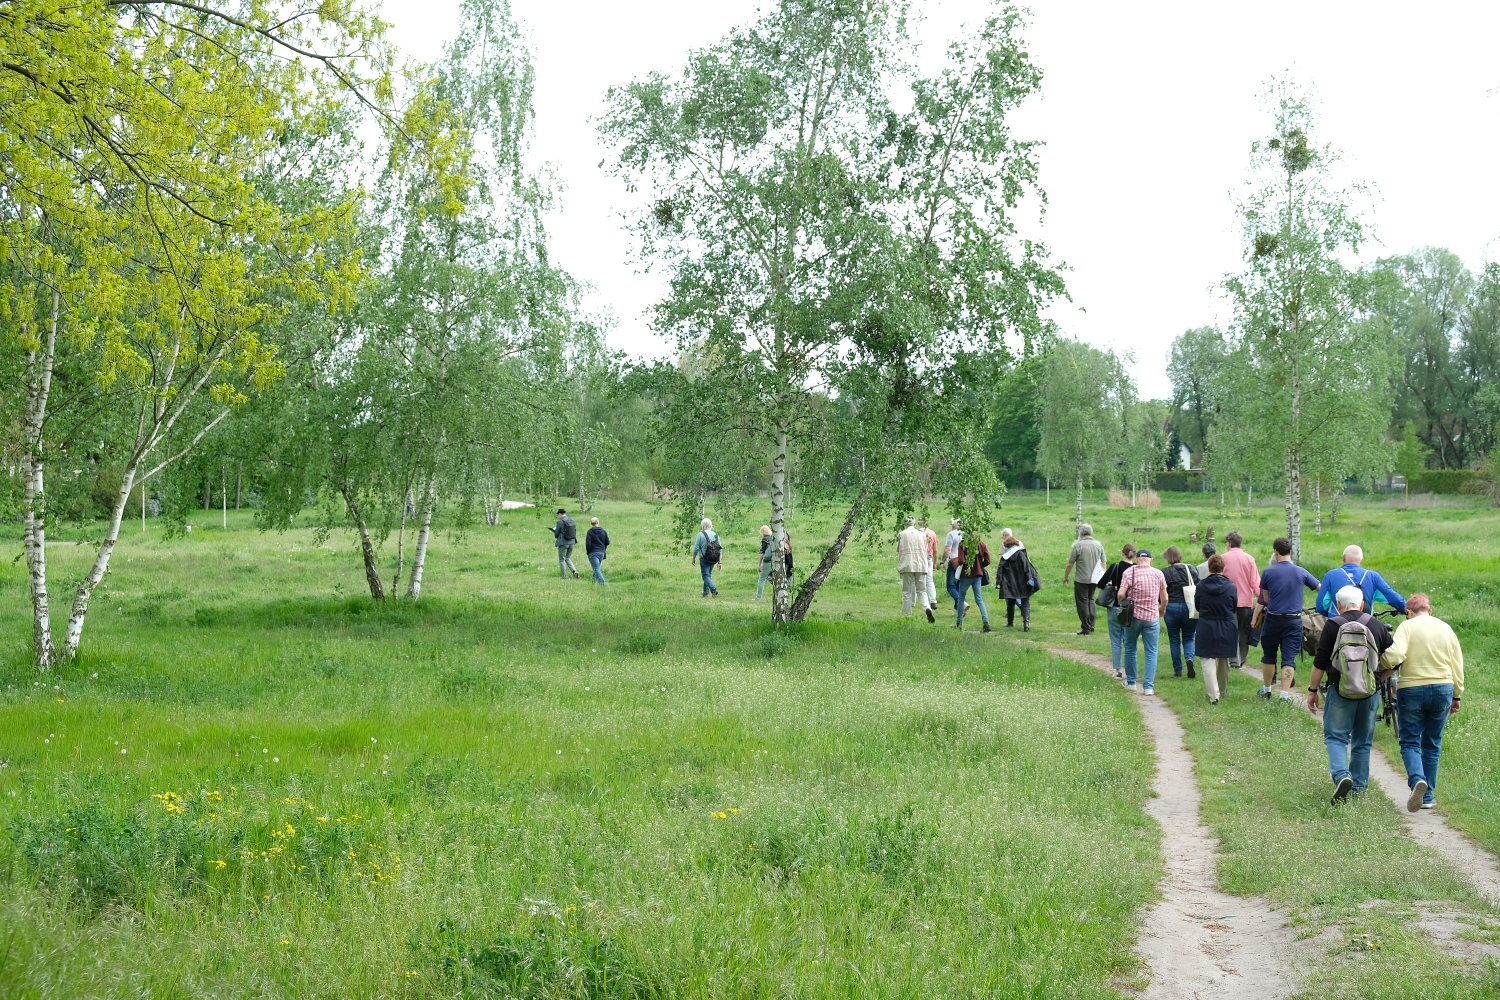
pixel 1199 943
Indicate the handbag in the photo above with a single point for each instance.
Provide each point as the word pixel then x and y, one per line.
pixel 1108 596
pixel 1190 592
pixel 1125 617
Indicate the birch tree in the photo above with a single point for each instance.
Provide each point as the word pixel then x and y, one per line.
pixel 1080 415
pixel 134 243
pixel 830 252
pixel 1298 380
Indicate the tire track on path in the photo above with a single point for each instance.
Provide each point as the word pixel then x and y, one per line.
pixel 1199 943
pixel 1428 827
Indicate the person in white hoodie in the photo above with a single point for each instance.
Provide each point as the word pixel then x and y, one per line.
pixel 915 569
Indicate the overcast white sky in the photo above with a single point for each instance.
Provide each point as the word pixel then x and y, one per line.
pixel 1147 111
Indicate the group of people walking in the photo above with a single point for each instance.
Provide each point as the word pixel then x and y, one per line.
pixel 966 562
pixel 1215 612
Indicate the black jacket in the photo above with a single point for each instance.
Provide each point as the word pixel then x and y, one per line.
pixel 1015 576
pixel 1179 575
pixel 597 540
pixel 1115 573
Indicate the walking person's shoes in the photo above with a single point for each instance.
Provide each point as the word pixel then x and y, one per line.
pixel 1191 674
pixel 1119 675
pixel 1429 804
pixel 929 615
pixel 1418 794
pixel 1084 631
pixel 1342 791
pixel 1264 692
pixel 986 628
pixel 1284 695
pixel 1026 626
pixel 1148 690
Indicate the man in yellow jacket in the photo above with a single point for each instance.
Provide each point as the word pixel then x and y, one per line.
pixel 1429 688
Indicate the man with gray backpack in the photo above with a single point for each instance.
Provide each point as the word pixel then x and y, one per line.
pixel 1349 655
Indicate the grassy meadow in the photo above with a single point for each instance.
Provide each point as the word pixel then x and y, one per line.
pixel 254 782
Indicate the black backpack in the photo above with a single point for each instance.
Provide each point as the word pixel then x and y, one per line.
pixel 713 551
pixel 569 529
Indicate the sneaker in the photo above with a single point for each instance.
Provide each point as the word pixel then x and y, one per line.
pixel 1418 794
pixel 1430 803
pixel 929 615
pixel 1342 791
pixel 1119 675
pixel 1148 690
pixel 1127 685
pixel 1284 695
pixel 1264 692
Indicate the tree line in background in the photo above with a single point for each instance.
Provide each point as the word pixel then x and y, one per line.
pixel 244 254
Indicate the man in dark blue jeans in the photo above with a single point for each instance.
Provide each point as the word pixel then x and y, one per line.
pixel 1348 724
pixel 1281 585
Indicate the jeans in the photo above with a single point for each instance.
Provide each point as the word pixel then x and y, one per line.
pixel 765 573
pixel 595 558
pixel 1149 632
pixel 565 560
pixel 953 590
pixel 1348 732
pixel 976 583
pixel 1421 714
pixel 1116 637
pixel 1010 610
pixel 1083 601
pixel 1182 629
pixel 1283 632
pixel 707 569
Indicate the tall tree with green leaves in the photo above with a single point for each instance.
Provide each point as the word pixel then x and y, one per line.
pixel 1194 368
pixel 1080 415
pixel 1296 387
pixel 837 258
pixel 134 246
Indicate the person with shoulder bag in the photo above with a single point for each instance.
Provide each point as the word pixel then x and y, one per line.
pixel 1016 580
pixel 1109 600
pixel 974 558
pixel 708 553
pixel 1145 588
pixel 1181 616
pixel 1349 656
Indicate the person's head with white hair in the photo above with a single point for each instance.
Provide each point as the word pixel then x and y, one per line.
pixel 953 521
pixel 1085 531
pixel 1006 533
pixel 1354 554
pixel 911 522
pixel 707 524
pixel 1350 598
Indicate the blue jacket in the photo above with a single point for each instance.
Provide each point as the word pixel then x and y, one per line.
pixel 1366 580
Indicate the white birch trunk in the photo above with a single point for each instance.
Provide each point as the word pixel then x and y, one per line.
pixel 400 551
pixel 1317 507
pixel 780 592
pixel 1078 509
pixel 101 561
pixel 419 554
pixel 39 365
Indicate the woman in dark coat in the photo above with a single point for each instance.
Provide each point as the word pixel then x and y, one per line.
pixel 1016 580
pixel 1218 637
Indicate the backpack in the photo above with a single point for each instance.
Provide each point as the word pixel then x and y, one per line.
pixel 1356 658
pixel 713 551
pixel 569 529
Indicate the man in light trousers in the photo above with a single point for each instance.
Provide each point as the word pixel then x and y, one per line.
pixel 915 569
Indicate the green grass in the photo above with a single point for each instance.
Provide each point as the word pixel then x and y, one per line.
pixel 527 786
pixel 256 783
pixel 1263 771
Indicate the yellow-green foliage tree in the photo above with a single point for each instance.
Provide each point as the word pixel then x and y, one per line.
pixel 134 248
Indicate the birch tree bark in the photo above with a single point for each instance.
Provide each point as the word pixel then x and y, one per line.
pixel 39 366
pixel 419 553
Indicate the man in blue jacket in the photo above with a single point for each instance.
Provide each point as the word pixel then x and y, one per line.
pixel 1352 574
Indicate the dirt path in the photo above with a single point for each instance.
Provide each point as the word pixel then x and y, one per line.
pixel 1427 827
pixel 1199 943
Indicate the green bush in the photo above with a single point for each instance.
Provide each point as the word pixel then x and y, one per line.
pixel 1442 481
pixel 1180 481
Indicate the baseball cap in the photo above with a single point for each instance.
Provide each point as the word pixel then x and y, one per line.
pixel 1143 553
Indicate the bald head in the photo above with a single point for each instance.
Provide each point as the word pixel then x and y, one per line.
pixel 1354 554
